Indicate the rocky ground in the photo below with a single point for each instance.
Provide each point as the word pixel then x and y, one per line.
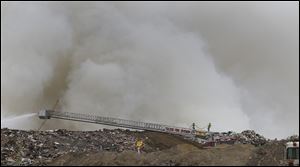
pixel 116 147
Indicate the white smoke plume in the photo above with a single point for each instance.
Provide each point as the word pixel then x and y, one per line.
pixel 234 64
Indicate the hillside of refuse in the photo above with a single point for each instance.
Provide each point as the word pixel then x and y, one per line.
pixel 117 147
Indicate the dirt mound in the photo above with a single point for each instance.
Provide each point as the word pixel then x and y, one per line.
pixel 116 147
pixel 270 154
pixel 161 141
pixel 183 154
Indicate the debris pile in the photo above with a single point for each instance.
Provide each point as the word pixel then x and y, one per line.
pixel 250 137
pixel 293 138
pixel 38 148
pixel 117 146
pixel 246 137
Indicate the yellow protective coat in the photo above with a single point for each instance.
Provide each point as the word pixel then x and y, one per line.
pixel 139 143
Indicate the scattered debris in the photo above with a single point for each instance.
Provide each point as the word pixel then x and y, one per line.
pixel 246 137
pixel 36 147
pixel 40 148
pixel 293 138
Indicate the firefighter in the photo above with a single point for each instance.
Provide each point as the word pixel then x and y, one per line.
pixel 193 126
pixel 139 144
pixel 209 126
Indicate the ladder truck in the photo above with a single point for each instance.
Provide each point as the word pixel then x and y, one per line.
pixel 190 133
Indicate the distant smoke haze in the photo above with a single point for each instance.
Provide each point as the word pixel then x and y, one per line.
pixel 234 64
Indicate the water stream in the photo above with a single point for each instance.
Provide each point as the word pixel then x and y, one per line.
pixel 11 122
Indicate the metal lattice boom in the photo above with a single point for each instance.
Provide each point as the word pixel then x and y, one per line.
pixel 47 114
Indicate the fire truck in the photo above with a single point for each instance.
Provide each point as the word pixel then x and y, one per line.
pixel 291 153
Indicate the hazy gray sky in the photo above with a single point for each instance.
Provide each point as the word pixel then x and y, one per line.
pixel 235 64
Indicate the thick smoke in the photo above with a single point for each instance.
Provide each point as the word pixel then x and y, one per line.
pixel 234 64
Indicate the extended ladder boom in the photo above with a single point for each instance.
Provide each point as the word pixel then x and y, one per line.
pixel 47 114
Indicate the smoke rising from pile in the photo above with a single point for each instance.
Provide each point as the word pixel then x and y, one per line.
pixel 232 64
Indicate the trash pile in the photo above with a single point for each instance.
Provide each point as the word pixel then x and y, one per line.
pixel 293 138
pixel 251 137
pixel 35 148
pixel 246 137
pixel 40 147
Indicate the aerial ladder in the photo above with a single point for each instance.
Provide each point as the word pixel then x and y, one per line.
pixel 191 133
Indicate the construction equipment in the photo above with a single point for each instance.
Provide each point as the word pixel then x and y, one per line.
pixel 291 153
pixel 187 132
